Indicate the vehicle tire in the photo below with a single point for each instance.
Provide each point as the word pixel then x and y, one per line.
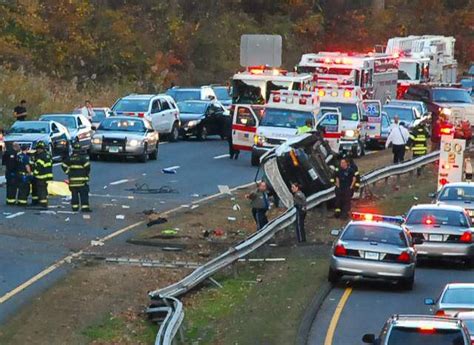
pixel 333 276
pixel 359 150
pixel 143 158
pixel 154 155
pixel 94 156
pixel 254 160
pixel 202 133
pixel 174 135
pixel 407 283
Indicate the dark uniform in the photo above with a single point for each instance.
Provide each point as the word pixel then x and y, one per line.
pixel 42 173
pixel 299 200
pixel 24 177
pixel 260 206
pixel 418 142
pixel 77 167
pixel 10 161
pixel 344 191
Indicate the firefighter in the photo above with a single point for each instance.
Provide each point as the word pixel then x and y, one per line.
pixel 42 173
pixel 10 161
pixel 418 142
pixel 299 200
pixel 24 175
pixel 345 183
pixel 308 126
pixel 355 169
pixel 78 168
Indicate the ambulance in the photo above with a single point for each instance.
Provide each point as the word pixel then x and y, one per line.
pixel 361 120
pixel 279 120
pixel 254 85
pixel 375 74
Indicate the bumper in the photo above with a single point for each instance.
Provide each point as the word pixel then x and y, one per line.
pixel 376 140
pixel 435 249
pixel 372 269
pixel 188 131
pixel 348 145
pixel 117 151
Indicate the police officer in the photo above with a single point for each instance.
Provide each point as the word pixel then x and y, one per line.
pixel 299 200
pixel 77 167
pixel 308 126
pixel 10 161
pixel 418 142
pixel 345 184
pixel 260 204
pixel 42 173
pixel 24 175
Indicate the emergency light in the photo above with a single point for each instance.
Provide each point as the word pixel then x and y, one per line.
pixel 377 218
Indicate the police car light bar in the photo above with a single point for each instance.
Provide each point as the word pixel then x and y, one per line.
pixel 376 218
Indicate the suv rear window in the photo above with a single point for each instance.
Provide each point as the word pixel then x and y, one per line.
pixel 417 336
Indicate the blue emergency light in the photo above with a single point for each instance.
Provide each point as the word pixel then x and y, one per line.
pixel 377 218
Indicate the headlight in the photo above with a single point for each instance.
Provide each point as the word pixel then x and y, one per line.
pixel 134 142
pixel 97 141
pixel 446 111
pixel 349 133
pixel 193 123
pixel 259 140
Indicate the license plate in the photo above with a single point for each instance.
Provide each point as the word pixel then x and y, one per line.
pixel 114 149
pixel 436 238
pixel 371 256
pixel 313 174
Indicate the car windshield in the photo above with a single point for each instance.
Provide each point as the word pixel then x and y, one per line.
pixel 285 118
pixel 29 127
pixel 348 110
pixel 451 96
pixel 459 296
pixel 417 336
pixel 66 120
pixel 122 125
pixel 418 106
pixel 184 95
pixel 405 114
pixel 437 217
pixel 464 193
pixel 132 105
pixel 99 114
pixel 222 93
pixel 373 233
pixel 192 107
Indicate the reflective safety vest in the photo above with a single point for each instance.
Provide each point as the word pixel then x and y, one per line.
pixel 419 141
pixel 303 129
pixel 43 167
pixel 78 168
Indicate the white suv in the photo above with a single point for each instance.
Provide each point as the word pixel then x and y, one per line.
pixel 161 110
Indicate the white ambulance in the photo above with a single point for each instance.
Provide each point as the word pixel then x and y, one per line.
pixel 375 74
pixel 361 120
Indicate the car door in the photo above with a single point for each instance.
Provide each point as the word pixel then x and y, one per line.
pixel 174 111
pixel 167 115
pixel 244 127
pixel 84 133
pixel 330 125
pixel 158 119
pixel 58 139
pixel 214 118
pixel 372 118
pixel 151 135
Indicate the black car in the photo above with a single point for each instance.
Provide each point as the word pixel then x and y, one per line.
pixel 53 134
pixel 203 118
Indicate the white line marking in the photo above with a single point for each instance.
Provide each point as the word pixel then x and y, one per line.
pixel 119 182
pixel 113 196
pixel 222 156
pixel 14 215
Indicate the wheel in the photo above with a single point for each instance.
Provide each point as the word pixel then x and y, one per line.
pixel 143 157
pixel 333 276
pixel 154 155
pixel 94 157
pixel 174 135
pixel 407 283
pixel 358 151
pixel 202 133
pixel 254 160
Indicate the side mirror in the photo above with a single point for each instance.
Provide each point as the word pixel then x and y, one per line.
pixel 151 130
pixel 432 195
pixel 417 241
pixel 369 338
pixel 335 232
pixel 429 301
pixel 94 128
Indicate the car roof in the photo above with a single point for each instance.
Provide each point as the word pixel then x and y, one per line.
pixel 32 121
pixel 124 117
pixel 375 224
pixel 417 321
pixel 197 101
pixel 437 207
pixel 466 315
pixel 459 184
pixel 395 101
pixel 140 96
pixel 397 106
pixel 60 114
pixel 452 286
pixel 186 89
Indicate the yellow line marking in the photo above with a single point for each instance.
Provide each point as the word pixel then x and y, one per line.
pixel 336 316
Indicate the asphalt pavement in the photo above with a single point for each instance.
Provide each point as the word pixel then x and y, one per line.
pixel 356 307
pixel 32 241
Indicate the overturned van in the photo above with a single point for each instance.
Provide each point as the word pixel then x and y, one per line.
pixel 307 160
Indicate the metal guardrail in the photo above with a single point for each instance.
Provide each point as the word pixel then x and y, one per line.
pixel 172 321
pixel 266 233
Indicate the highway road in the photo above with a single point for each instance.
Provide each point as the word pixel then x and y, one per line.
pixel 32 241
pixel 357 307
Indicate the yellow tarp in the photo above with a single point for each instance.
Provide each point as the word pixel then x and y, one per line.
pixel 58 188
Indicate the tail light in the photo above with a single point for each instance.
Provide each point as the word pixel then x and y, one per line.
pixel 340 250
pixel 303 101
pixel 294 159
pixel 466 237
pixel 440 313
pixel 141 114
pixel 276 99
pixel 321 93
pixel 404 257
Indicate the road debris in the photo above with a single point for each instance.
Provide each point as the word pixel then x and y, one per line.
pixel 97 243
pixel 157 221
pixel 86 216
pixel 120 216
pixel 232 219
pixel 236 207
pixel 118 182
pixel 194 207
pixel 224 189
pixel 144 188
pixel 14 215
pixel 170 170
pixel 125 206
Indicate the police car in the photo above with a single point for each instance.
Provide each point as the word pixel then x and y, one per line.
pixel 458 194
pixel 374 246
